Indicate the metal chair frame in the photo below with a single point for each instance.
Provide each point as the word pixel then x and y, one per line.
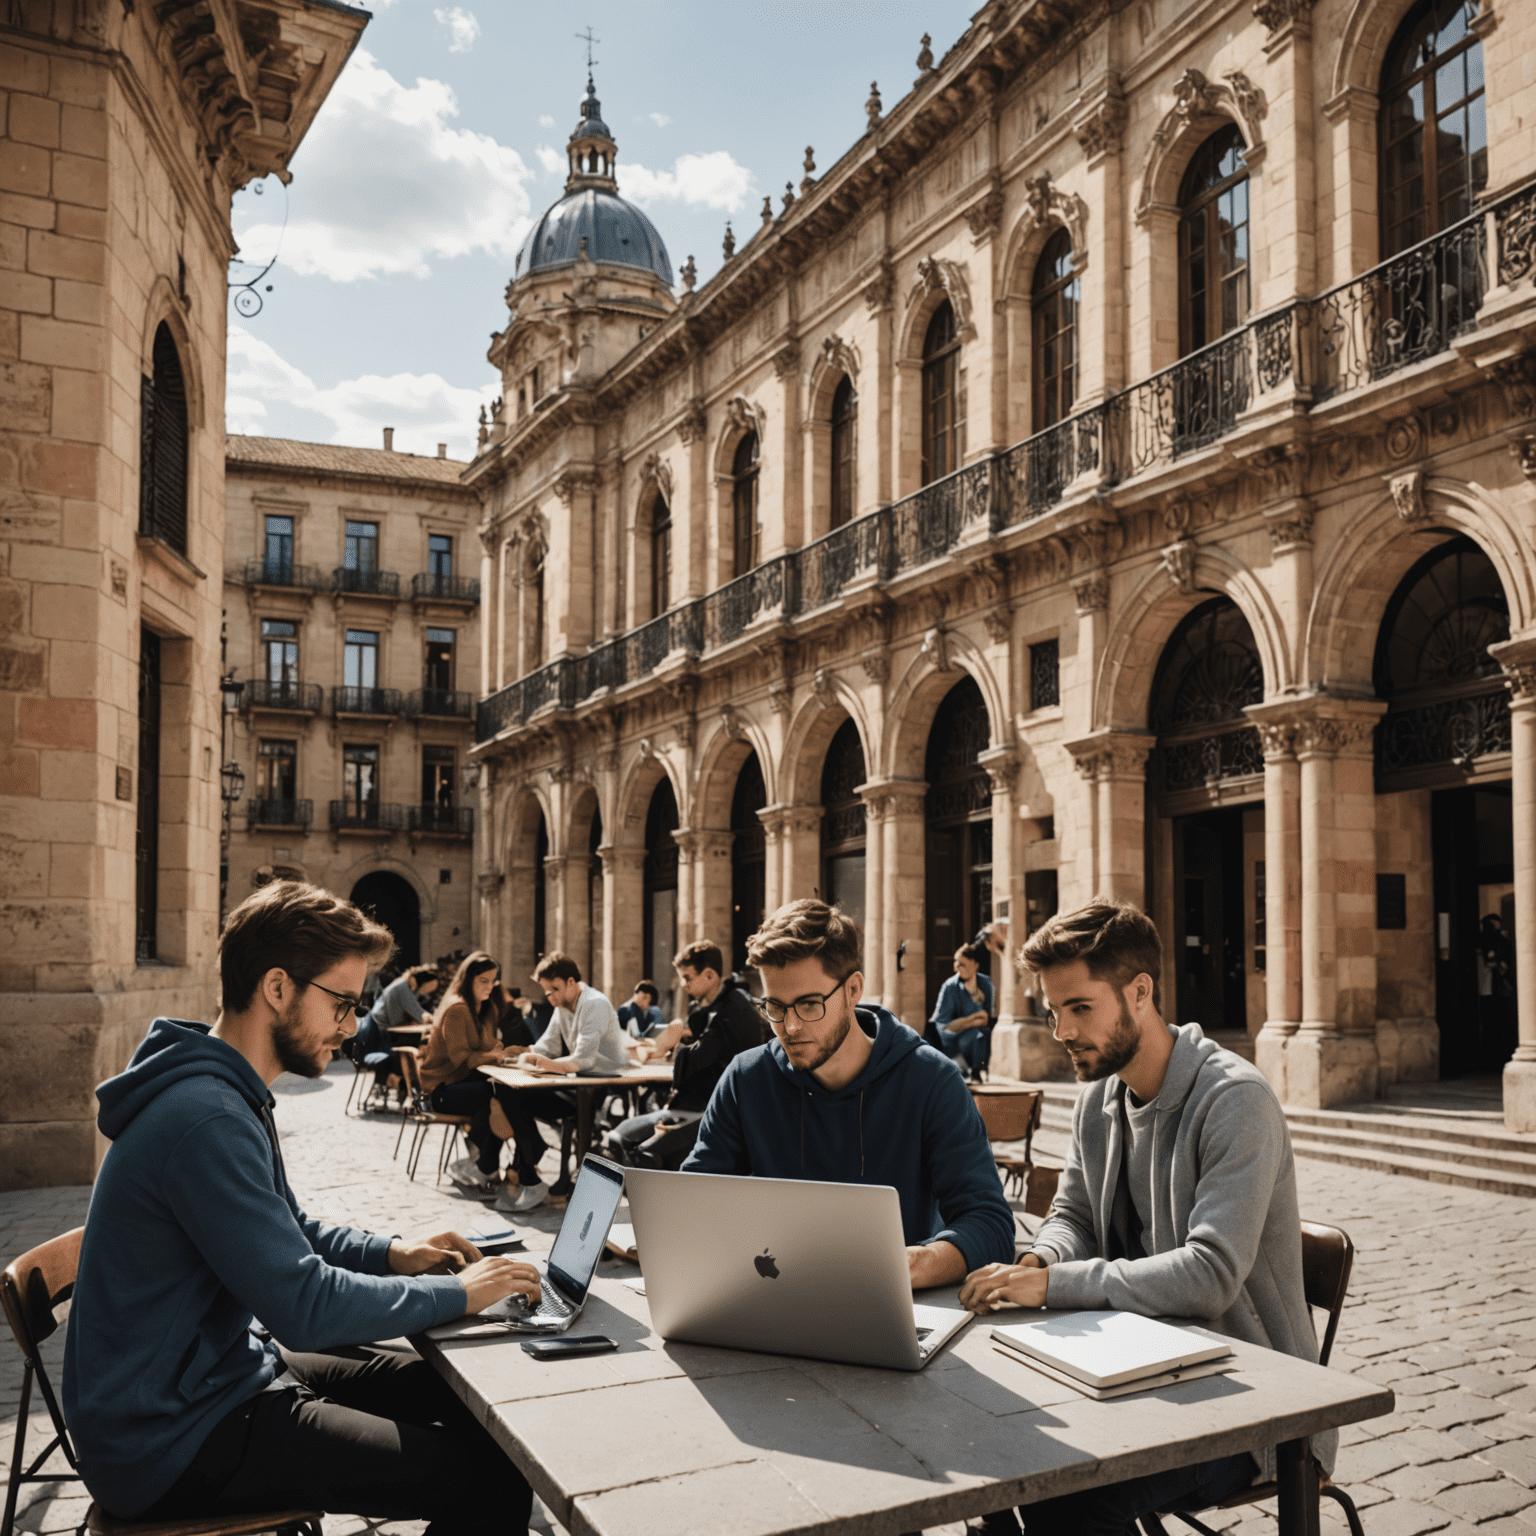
pixel 418 1111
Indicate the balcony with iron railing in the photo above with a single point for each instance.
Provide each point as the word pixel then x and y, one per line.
pixel 364 582
pixel 296 814
pixel 441 820
pixel 283 694
pixel 365 701
pixel 1409 309
pixel 428 587
pixel 440 704
pixel 366 816
pixel 266 571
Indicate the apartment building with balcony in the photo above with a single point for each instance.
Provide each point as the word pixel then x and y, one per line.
pixel 351 625
pixel 1112 474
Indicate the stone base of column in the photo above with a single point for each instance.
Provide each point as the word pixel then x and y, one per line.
pixel 1408 1050
pixel 1269 1055
pixel 1023 1049
pixel 1520 1096
pixel 1322 1071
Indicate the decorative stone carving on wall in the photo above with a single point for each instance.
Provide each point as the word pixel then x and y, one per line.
pixel 1408 496
pixel 786 361
pixel 731 722
pixel 1179 562
pixel 840 356
pixel 938 274
pixel 998 624
pixel 1272 15
pixel 877 669
pixel 1048 204
pixel 984 216
pixel 1198 101
pixel 744 415
pixel 1517 378
pixel 1290 526
pixel 569 483
pixel 935 647
pixel 657 469
pixel 1404 438
pixel 824 687
pixel 1091 593
pixel 877 291
pixel 1524 449
pixel 693 423
pixel 1099 128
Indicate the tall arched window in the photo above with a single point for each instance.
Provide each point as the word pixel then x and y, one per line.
pixel 1433 74
pixel 746 529
pixel 941 364
pixel 163 446
pixel 845 418
pixel 1054 306
pixel 1213 241
pixel 661 557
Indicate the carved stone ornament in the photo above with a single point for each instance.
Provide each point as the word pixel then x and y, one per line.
pixel 1404 438
pixel 1524 449
pixel 1002 768
pixel 780 697
pixel 1329 736
pixel 1518 659
pixel 1091 594
pixel 531 532
pixel 1408 496
pixel 877 291
pixel 877 669
pixel 984 216
pixel 1277 739
pixel 1517 378
pixel 569 483
pixel 998 624
pixel 731 722
pixel 693 423
pixel 840 356
pixel 1197 100
pixel 1281 472
pixel 936 274
pixel 1179 562
pixel 824 687
pixel 1272 15
pixel 786 361
pixel 1100 126
pixel 1048 204
pixel 647 747
pixel 935 647
pixel 657 469
pixel 743 415
pixel 1290 526
pixel 1176 515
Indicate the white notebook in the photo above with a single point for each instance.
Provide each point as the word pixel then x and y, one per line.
pixel 1110 1351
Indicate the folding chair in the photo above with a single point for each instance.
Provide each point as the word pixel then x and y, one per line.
pixel 1327 1256
pixel 418 1111
pixel 32 1288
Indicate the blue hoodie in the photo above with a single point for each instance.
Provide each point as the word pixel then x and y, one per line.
pixel 192 1231
pixel 907 1120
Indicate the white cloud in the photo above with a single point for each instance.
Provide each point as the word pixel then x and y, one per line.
pixel 545 120
pixel 462 26
pixel 660 119
pixel 263 391
pixel 551 159
pixel 384 182
pixel 714 180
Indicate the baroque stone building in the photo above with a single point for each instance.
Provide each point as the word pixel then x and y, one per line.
pixel 351 624
pixel 1112 474
pixel 124 131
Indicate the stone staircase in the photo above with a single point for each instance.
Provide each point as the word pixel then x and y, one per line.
pixel 1409 1135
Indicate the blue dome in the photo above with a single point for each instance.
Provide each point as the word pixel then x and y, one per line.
pixel 616 232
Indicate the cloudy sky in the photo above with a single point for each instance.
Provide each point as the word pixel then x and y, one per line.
pixel 445 138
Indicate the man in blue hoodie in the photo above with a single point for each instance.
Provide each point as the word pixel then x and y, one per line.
pixel 177 1407
pixel 850 1095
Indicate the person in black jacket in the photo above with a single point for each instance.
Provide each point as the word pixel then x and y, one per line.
pixel 721 1024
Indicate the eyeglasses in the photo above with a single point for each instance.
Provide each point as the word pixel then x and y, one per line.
pixel 811 1009
pixel 344 1005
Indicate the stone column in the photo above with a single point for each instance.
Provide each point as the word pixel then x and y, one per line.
pixel 689 907
pixel 575 897
pixel 556 918
pixel 1518 658
pixel 712 889
pixel 1002 765
pixel 1113 765
pixel 877 960
pixel 623 939
pixel 773 818
pixel 1282 896
pixel 1099 117
pixel 1288 188
pixel 903 872
pixel 800 852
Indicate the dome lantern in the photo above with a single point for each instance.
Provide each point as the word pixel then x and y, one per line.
pixel 591 149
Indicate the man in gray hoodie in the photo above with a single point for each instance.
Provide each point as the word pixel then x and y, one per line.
pixel 1178 1198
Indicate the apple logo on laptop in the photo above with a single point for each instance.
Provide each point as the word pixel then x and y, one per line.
pixel 586 1227
pixel 765 1266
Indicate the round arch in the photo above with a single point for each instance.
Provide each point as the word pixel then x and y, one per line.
pixel 393 897
pixel 1201 107
pixel 837 360
pixel 165 307
pixel 719 768
pixel 526 807
pixel 1362 50
pixel 921 308
pixel 916 698
pixel 638 781
pixel 810 733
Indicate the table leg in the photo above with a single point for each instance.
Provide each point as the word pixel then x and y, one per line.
pixel 1296 1473
pixel 585 1109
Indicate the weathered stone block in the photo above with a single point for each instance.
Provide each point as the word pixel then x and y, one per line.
pixel 24 168
pixel 57 255
pixel 33 120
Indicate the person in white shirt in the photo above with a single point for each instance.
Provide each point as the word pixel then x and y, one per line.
pixel 583 1038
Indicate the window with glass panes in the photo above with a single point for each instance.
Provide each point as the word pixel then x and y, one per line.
pixel 845 420
pixel 279 552
pixel 360 659
pixel 280 642
pixel 437 675
pixel 360 780
pixel 1044 674
pixel 277 769
pixel 1054 305
pixel 941 362
pixel 1213 241
pixel 661 557
pixel 437 777
pixel 362 549
pixel 1433 76
pixel 439 555
pixel 746 530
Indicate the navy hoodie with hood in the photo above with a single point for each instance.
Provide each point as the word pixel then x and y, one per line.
pixel 907 1120
pixel 192 1231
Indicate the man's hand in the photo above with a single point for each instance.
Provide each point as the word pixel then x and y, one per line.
pixel 492 1279
pixel 1005 1285
pixel 445 1254
pixel 674 1033
pixel 930 1264
pixel 544 1063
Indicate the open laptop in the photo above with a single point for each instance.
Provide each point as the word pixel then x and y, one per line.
pixel 787 1266
pixel 573 1260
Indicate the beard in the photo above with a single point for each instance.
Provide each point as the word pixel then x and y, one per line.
pixel 1119 1050
pixel 295 1054
pixel 825 1049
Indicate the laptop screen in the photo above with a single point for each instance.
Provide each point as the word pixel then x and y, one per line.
pixel 573 1259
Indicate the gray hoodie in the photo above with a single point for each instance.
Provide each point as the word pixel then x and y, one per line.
pixel 1224 1241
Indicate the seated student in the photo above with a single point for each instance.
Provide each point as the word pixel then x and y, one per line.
pixel 175 1406
pixel 1178 1197
pixel 583 1037
pixel 462 1040
pixel 640 1017
pixel 850 1095
pixel 513 1012
pixel 399 1003
pixel 962 1016
pixel 722 1023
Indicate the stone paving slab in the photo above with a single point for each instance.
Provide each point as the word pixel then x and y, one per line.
pixel 1442 1307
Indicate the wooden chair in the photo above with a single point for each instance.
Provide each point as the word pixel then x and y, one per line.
pixel 1327 1256
pixel 32 1288
pixel 418 1112
pixel 1010 1114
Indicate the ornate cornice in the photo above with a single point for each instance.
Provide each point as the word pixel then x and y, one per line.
pixel 1111 754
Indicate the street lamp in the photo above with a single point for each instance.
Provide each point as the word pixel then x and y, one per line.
pixel 231 778
pixel 232 787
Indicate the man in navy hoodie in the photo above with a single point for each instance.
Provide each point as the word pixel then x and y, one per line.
pixel 176 1405
pixel 852 1096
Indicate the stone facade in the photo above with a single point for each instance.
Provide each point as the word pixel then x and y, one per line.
pixel 125 131
pixel 1251 621
pixel 400 819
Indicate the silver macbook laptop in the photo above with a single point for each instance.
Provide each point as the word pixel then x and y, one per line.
pixel 573 1260
pixel 787 1266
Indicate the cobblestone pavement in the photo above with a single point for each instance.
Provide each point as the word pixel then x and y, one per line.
pixel 1442 1309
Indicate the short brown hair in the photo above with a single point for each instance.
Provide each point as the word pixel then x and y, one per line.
pixel 421 973
pixel 700 956
pixel 295 927
pixel 802 929
pixel 557 966
pixel 1116 940
pixel 650 988
pixel 971 952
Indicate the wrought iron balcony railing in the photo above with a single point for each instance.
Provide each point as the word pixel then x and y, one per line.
pixel 446 703
pixel 365 701
pixel 1398 313
pixel 264 693
pixel 261 571
pixel 425 586
pixel 441 820
pixel 366 583
pixel 279 813
pixel 366 816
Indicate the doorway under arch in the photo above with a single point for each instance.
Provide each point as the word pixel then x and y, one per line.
pixel 391 899
pixel 749 858
pixel 660 889
pixel 843 823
